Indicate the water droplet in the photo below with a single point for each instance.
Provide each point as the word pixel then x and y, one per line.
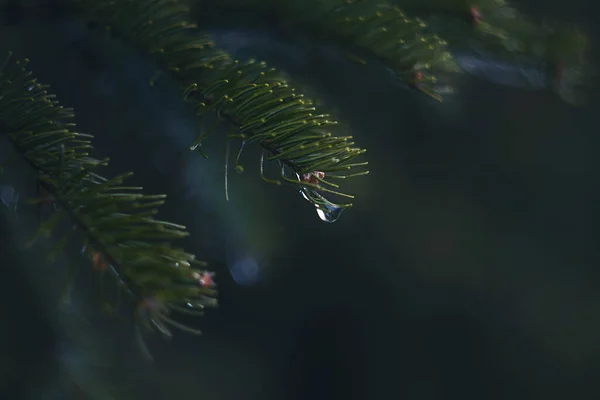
pixel 326 210
pixel 330 214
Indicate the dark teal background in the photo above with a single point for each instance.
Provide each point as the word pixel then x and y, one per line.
pixel 468 268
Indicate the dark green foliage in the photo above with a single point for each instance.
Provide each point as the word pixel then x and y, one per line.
pixel 252 100
pixel 420 50
pixel 251 103
pixel 115 222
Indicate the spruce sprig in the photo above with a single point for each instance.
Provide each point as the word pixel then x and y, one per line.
pixel 254 101
pixel 365 30
pixel 494 30
pixel 114 222
pixel 381 31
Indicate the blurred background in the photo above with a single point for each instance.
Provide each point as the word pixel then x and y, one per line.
pixel 467 269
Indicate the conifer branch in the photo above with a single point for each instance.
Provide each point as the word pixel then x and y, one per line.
pixel 496 31
pixel 250 97
pixel 500 26
pixel 480 34
pixel 115 223
pixel 366 30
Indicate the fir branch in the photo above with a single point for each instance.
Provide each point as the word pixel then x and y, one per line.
pixel 114 222
pixel 501 26
pixel 490 32
pixel 253 99
pixel 497 31
pixel 385 32
pixel 365 29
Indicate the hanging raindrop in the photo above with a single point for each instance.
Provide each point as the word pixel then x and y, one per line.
pixel 326 210
pixel 330 214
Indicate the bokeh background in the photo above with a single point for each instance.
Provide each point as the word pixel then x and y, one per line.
pixel 468 268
